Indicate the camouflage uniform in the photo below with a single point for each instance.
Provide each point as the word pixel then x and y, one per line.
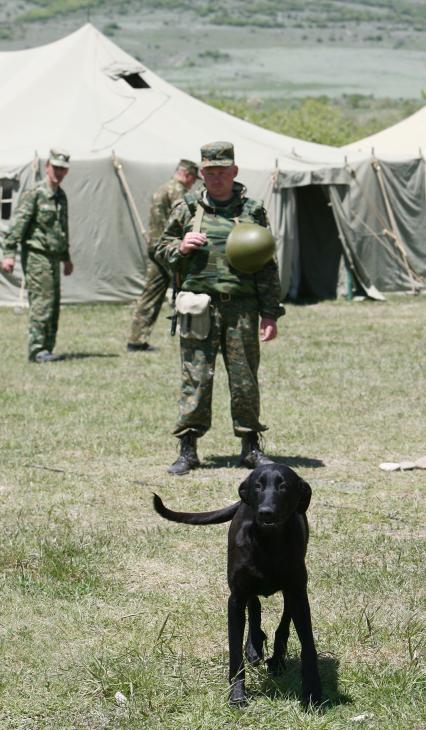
pixel 157 279
pixel 40 226
pixel 237 300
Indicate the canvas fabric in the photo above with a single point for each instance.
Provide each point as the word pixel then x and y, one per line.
pixel 194 315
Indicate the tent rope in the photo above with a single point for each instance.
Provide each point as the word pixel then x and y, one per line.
pixel 393 233
pixel 385 232
pixel 126 188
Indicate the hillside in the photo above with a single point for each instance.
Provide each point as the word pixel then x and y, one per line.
pixel 268 48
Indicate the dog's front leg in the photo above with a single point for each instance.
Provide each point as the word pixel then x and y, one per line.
pixel 301 615
pixel 253 649
pixel 236 623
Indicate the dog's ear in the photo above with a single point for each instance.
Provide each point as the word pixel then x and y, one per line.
pixel 244 490
pixel 305 495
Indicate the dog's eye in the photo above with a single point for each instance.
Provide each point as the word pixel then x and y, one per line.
pixel 281 486
pixel 258 486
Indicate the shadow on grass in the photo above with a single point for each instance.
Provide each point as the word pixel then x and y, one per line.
pixel 288 684
pixel 233 462
pixel 84 355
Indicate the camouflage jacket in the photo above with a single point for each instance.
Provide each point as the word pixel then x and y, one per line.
pixel 207 270
pixel 40 222
pixel 161 205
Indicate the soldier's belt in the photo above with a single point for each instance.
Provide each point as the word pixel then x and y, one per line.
pixel 226 297
pixel 223 297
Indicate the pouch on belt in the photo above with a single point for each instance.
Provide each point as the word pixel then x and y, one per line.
pixel 194 314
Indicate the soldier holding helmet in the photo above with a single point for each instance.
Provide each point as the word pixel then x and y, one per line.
pixel 193 246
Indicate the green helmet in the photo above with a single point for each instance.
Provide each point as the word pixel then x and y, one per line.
pixel 249 247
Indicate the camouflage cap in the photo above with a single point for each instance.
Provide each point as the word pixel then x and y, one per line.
pixel 189 166
pixel 59 157
pixel 217 154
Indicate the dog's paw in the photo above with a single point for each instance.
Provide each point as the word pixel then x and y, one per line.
pixel 237 695
pixel 276 665
pixel 312 696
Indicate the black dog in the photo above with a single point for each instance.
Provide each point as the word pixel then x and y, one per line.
pixel 267 544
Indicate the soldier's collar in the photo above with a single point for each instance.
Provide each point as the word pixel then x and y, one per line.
pixel 49 190
pixel 235 201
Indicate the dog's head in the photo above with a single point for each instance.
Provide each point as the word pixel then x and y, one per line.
pixel 274 492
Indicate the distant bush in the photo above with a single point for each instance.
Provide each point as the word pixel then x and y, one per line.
pixel 50 8
pixel 111 28
pixel 321 120
pixel 214 56
pixel 6 33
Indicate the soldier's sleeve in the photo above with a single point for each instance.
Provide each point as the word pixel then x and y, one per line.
pixel 17 233
pixel 65 228
pixel 166 248
pixel 159 212
pixel 268 282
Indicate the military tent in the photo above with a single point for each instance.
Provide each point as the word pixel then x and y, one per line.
pixel 126 129
pixel 382 213
pixel 377 217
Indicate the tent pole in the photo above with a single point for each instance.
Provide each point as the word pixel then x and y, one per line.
pixel 349 282
pixel 122 177
pixel 275 191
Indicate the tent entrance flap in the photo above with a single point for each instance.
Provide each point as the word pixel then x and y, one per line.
pixel 320 250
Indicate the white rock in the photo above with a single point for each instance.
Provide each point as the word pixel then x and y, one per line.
pixel 120 698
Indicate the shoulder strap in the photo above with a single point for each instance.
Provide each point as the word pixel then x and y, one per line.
pixel 191 202
pixel 199 212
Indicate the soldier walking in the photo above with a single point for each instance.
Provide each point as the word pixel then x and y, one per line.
pixel 40 227
pixel 193 245
pixel 158 279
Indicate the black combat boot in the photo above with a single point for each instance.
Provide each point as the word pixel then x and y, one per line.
pixel 251 453
pixel 188 458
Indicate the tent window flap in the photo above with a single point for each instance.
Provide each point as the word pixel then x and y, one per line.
pixel 134 80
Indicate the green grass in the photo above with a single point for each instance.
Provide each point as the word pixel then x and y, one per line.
pixel 100 596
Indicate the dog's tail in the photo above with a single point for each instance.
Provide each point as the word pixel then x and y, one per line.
pixel 196 518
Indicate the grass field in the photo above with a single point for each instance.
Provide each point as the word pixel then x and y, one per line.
pixel 100 596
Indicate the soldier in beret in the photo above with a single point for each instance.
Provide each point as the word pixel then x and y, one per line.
pixel 193 246
pixel 40 228
pixel 158 279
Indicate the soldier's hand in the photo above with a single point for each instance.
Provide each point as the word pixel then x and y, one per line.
pixel 68 268
pixel 268 329
pixel 8 265
pixel 192 241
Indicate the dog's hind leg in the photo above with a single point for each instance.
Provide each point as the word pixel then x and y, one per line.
pixel 236 623
pixel 253 649
pixel 276 661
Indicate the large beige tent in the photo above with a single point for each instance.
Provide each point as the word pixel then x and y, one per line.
pixel 85 94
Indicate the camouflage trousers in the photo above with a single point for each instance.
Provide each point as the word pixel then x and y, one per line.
pixel 149 304
pixel 43 282
pixel 235 331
